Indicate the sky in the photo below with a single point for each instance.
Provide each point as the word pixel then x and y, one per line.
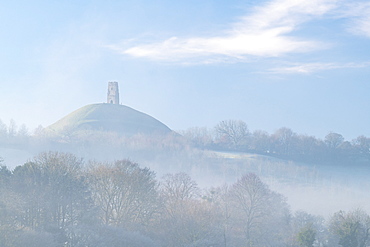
pixel 299 64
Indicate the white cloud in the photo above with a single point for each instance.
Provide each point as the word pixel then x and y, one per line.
pixel 309 68
pixel 359 13
pixel 264 33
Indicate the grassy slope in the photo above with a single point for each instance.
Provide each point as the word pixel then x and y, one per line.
pixel 108 117
pixel 314 188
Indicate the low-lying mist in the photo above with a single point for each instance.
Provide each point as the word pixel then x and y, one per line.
pixel 315 188
pixel 306 196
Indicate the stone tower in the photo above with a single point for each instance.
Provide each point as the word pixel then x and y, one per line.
pixel 113 93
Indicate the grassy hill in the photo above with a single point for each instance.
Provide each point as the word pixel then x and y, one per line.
pixel 108 117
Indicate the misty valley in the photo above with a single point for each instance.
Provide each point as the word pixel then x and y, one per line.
pixel 238 123
pixel 220 186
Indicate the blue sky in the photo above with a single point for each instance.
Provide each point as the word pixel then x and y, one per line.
pixel 281 63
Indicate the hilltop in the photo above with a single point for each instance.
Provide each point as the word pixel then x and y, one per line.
pixel 120 119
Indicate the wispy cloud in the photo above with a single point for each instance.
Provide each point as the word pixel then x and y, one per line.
pixel 309 68
pixel 359 13
pixel 266 32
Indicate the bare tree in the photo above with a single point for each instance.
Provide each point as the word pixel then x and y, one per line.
pixel 219 200
pixel 333 140
pixel 125 193
pixel 257 209
pixel 186 219
pixel 176 189
pixel 233 132
pixel 284 141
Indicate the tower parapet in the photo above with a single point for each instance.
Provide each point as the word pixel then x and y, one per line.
pixel 113 93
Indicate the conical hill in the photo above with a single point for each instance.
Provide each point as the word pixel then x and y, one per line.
pixel 108 117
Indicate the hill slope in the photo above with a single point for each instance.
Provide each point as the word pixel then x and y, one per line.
pixel 108 117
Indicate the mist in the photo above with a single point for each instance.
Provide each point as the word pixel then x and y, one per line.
pixel 316 186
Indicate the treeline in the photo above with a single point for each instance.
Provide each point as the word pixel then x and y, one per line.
pixel 228 135
pixel 12 135
pixel 58 200
pixel 234 135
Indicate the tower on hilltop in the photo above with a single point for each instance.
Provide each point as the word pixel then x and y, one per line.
pixel 113 93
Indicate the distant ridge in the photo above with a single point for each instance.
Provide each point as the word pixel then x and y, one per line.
pixel 108 117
